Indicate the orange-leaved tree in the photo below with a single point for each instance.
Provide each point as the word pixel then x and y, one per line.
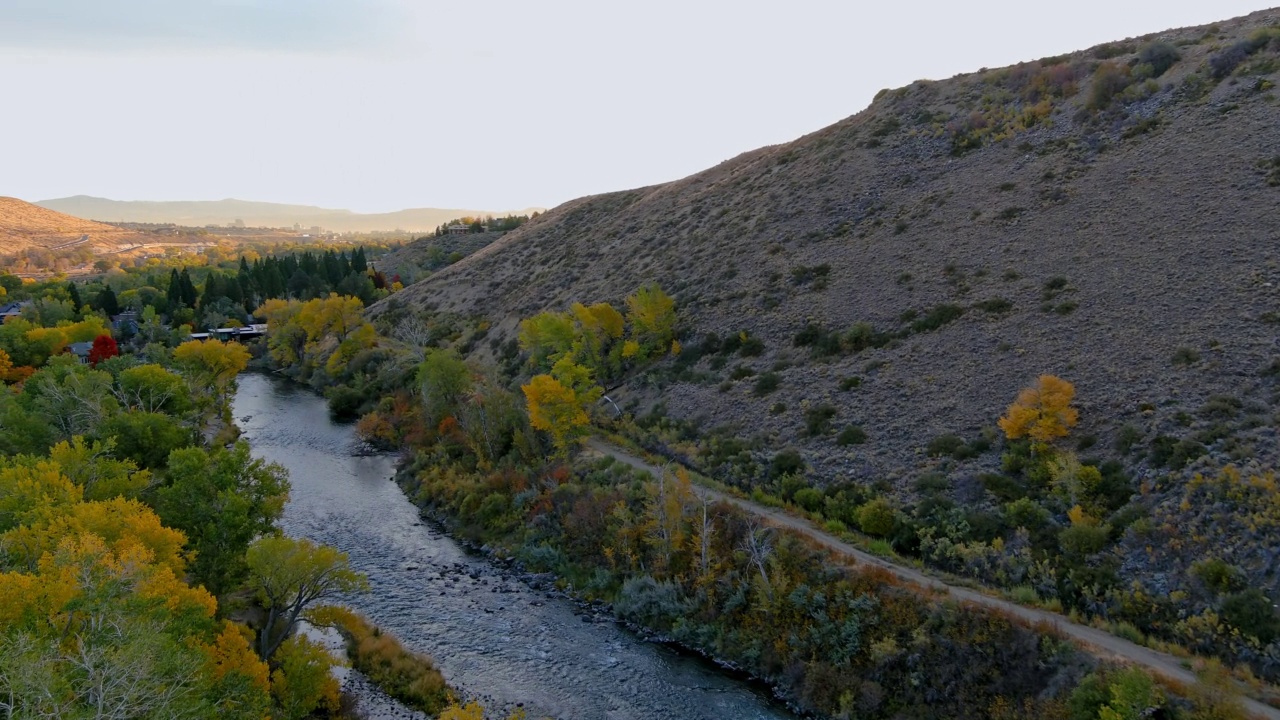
pixel 1042 412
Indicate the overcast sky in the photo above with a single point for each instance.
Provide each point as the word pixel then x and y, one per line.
pixel 378 105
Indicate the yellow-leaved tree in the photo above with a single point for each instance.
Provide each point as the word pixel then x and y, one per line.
pixel 212 362
pixel 652 314
pixel 558 403
pixel 1042 412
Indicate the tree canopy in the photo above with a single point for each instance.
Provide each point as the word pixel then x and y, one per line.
pixel 1042 412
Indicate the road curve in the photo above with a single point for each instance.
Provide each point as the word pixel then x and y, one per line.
pixel 1100 643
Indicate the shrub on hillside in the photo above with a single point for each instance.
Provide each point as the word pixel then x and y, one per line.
pixel 1109 80
pixel 937 317
pixel 1158 56
pixel 876 518
pixel 1225 62
pixel 817 420
pixel 787 462
pixel 767 383
pixel 851 435
pixel 811 499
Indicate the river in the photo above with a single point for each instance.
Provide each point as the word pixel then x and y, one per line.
pixel 492 636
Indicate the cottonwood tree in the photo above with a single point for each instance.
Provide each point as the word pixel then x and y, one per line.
pixel 670 497
pixel 489 416
pixel 558 402
pixel 652 314
pixel 705 531
pixel 443 380
pixel 1042 412
pixel 151 388
pixel 757 542
pixel 222 499
pixel 94 467
pixel 416 333
pixel 72 397
pixel 212 363
pixel 291 575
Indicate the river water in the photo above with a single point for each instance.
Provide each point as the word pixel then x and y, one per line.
pixel 493 637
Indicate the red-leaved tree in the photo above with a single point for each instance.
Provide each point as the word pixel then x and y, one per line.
pixel 104 348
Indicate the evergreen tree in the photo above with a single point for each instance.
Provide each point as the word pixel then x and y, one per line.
pixel 187 289
pixel 275 285
pixel 174 293
pixel 299 284
pixel 332 269
pixel 107 302
pixel 75 296
pixel 212 290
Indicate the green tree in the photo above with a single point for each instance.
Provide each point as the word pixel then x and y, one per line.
pixel 146 438
pixel 1133 694
pixel 443 380
pixel 74 399
pixel 290 575
pixel 1253 613
pixel 22 429
pixel 222 499
pixel 876 518
pixel 106 301
pixel 74 294
pixel 152 388
pixel 92 466
pixel 547 337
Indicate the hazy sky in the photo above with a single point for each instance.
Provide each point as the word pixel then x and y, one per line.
pixel 378 105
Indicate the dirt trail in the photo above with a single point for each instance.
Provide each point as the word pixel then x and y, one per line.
pixel 1100 643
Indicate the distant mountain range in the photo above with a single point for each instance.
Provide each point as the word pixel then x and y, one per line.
pixel 260 214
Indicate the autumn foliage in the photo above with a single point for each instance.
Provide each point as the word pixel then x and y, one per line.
pixel 1042 412
pixel 104 348
pixel 556 409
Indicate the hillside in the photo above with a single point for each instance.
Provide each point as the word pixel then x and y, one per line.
pixel 1121 233
pixel 24 226
pixel 418 259
pixel 258 214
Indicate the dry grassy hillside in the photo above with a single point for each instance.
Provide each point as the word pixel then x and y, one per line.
pixel 418 259
pixel 1087 216
pixel 23 226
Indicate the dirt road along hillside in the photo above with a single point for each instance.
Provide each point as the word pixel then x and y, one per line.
pixel 1098 642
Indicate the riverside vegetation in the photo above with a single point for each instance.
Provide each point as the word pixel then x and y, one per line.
pixel 495 458
pixel 140 572
pixel 883 288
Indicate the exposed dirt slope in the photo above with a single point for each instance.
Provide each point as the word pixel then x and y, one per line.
pixel 23 225
pixel 1131 233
